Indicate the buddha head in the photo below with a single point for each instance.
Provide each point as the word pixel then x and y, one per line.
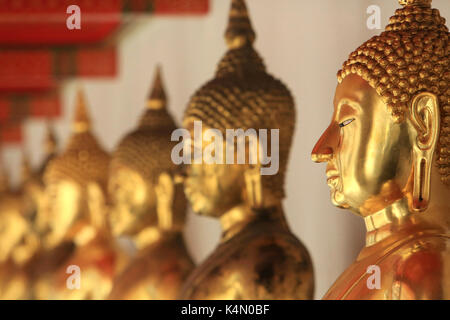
pixel 242 95
pixel 389 137
pixel 75 181
pixel 142 184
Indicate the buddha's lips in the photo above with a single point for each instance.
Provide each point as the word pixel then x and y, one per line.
pixel 332 174
pixel 332 178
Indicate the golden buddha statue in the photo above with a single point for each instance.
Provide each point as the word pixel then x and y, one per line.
pixel 79 241
pixel 149 206
pixel 258 257
pixel 32 185
pixel 32 191
pixel 18 245
pixel 36 187
pixel 388 158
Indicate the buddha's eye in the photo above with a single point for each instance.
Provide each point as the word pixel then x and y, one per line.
pixel 346 122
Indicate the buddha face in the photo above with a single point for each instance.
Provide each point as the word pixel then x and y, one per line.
pixel 63 204
pixel 133 200
pixel 368 155
pixel 213 189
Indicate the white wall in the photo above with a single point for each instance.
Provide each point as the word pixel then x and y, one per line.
pixel 303 42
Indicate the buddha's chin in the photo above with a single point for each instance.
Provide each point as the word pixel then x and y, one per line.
pixel 338 199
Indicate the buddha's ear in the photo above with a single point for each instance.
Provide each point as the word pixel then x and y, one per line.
pixel 253 186
pixel 165 192
pixel 96 204
pixel 425 119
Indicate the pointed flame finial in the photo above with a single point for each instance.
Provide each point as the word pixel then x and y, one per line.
pixel 157 99
pixel 417 3
pixel 81 121
pixel 239 31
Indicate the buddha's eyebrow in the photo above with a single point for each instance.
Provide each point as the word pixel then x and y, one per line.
pixel 348 102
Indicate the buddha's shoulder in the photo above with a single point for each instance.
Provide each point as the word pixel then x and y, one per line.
pixel 262 266
pixel 275 261
pixel 417 268
pixel 425 254
pixel 423 245
pixel 162 258
pixel 146 266
pixel 147 274
pixel 411 268
pixel 270 241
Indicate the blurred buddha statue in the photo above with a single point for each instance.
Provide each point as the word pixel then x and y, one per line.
pixel 149 206
pixel 18 245
pixel 258 256
pixel 27 188
pixel 33 202
pixel 75 202
pixel 32 184
pixel 388 158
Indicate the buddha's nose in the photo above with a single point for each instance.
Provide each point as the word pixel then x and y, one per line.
pixel 323 150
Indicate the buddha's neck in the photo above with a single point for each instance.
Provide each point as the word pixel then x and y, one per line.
pixel 383 223
pixel 151 235
pixel 396 222
pixel 239 217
